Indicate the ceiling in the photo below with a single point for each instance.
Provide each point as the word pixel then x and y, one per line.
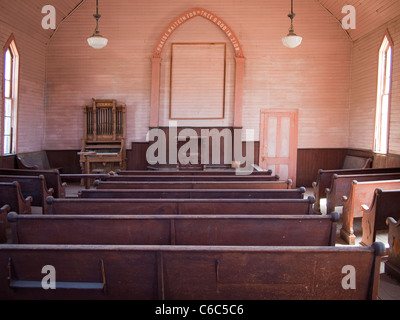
pixel 370 14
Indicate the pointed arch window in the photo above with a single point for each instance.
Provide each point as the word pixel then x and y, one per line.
pixel 10 97
pixel 381 141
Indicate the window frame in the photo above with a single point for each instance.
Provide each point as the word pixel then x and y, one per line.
pixel 384 83
pixel 10 46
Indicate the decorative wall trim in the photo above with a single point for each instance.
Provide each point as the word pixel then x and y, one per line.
pixel 156 62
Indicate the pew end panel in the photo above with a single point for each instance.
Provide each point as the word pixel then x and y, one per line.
pixel 4 210
pixel 189 273
pixel 361 192
pixel 385 203
pixel 11 194
pixel 392 265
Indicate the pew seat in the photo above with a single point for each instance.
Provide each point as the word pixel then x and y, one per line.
pixel 221 230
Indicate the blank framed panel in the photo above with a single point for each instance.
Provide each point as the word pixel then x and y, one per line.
pixel 197 84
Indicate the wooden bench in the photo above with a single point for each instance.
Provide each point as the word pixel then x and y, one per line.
pixel 360 193
pixel 392 265
pixel 179 206
pixel 52 177
pixel 191 178
pixel 385 204
pixel 4 210
pixel 34 186
pixel 190 172
pixel 101 272
pixel 36 160
pixel 324 180
pixel 297 193
pixel 11 194
pixel 222 230
pixel 341 185
pixel 193 185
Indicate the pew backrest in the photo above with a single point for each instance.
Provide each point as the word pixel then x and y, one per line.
pixel 190 272
pixel 385 204
pixel 11 194
pixel 180 206
pixel 193 185
pixel 192 178
pixel 221 230
pixel 190 172
pixel 194 193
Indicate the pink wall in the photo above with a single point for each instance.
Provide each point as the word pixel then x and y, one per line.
pixel 364 86
pixel 313 78
pixel 31 43
pixel 329 78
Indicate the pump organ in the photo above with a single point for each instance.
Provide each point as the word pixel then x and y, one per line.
pixel 103 144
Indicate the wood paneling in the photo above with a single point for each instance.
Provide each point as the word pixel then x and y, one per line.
pixel 309 161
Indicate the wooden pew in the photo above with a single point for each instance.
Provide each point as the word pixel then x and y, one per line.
pixel 392 265
pixel 360 193
pixel 190 172
pixel 11 194
pixel 101 272
pixel 34 186
pixel 341 185
pixel 193 185
pixel 324 180
pixel 192 178
pixel 385 204
pixel 179 206
pixel 52 177
pixel 221 230
pixel 4 210
pixel 194 193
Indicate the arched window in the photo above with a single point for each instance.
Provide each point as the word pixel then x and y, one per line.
pixel 10 96
pixel 383 96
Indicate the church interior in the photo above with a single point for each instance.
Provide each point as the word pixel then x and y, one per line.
pixel 93 87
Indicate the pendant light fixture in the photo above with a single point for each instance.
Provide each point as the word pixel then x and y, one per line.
pixel 292 40
pixel 97 41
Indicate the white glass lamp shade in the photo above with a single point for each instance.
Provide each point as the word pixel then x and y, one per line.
pixel 97 41
pixel 292 41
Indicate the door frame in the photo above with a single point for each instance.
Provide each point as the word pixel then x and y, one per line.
pixel 293 138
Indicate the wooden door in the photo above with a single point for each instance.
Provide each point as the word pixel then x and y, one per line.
pixel 278 142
